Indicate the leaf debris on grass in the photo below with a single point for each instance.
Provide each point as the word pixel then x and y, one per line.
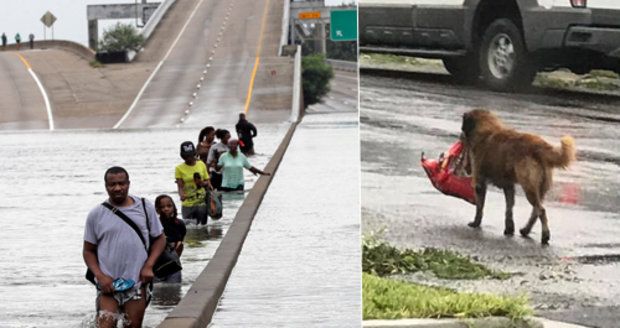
pixel 381 259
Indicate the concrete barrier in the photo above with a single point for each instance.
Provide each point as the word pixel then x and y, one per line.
pixel 285 22
pixel 70 46
pixel 158 14
pixel 297 88
pixel 197 307
pixel 152 23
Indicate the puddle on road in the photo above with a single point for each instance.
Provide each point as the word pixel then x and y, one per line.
pixel 598 259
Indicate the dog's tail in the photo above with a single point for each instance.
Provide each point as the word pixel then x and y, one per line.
pixel 564 155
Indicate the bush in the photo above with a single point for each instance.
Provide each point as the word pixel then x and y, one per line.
pixel 122 37
pixel 315 75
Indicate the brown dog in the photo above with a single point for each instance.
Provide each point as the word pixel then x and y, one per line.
pixel 505 157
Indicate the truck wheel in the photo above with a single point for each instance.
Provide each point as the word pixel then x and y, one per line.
pixel 463 69
pixel 504 63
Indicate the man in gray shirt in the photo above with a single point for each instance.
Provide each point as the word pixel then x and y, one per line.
pixel 116 255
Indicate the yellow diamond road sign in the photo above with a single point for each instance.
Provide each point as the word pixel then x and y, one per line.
pixel 48 19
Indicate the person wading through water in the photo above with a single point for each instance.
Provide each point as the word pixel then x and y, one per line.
pixel 214 155
pixel 246 131
pixel 192 178
pixel 232 164
pixel 115 253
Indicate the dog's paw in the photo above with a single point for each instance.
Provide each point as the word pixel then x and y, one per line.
pixel 509 232
pixel 474 224
pixel 524 232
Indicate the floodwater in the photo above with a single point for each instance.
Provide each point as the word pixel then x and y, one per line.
pixel 575 276
pixel 301 262
pixel 50 182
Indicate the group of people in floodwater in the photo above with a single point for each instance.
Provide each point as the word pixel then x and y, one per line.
pixel 114 251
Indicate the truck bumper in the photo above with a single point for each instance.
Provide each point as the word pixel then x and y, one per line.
pixel 599 39
pixel 564 27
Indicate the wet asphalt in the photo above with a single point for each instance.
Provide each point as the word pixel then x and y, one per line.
pixel 575 278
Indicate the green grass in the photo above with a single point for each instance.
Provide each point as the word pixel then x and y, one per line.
pixel 604 73
pixel 390 299
pixel 381 259
pixel 550 82
pixel 379 59
pixel 596 80
pixel 595 84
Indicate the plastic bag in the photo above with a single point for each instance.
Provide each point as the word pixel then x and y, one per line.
pixel 214 204
pixel 447 173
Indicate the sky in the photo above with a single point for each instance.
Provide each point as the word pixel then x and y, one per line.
pixel 24 16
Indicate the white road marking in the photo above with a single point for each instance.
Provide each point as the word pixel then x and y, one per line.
pixel 135 102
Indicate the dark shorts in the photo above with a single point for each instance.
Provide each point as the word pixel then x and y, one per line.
pixel 216 179
pixel 197 213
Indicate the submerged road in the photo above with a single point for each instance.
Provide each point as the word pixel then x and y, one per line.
pixel 302 256
pixel 576 278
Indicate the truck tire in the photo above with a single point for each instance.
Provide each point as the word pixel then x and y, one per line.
pixel 463 69
pixel 504 62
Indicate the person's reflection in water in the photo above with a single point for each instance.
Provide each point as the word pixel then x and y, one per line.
pixel 216 232
pixel 166 294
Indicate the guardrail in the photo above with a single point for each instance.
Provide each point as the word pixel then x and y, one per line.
pixel 297 104
pixel 285 22
pixel 70 46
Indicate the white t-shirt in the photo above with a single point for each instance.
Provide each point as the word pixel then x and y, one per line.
pixel 218 148
pixel 120 251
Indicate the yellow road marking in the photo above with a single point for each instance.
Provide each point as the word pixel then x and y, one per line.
pixel 248 99
pixel 26 63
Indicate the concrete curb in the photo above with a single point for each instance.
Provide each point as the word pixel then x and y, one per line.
pixel 489 322
pixel 198 305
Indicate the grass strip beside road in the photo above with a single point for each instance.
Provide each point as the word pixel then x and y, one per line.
pixel 384 298
pixel 380 258
pixel 602 81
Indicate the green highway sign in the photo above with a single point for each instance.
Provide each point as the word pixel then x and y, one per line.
pixel 343 25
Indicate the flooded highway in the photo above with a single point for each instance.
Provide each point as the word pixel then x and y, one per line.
pixel 574 279
pixel 50 182
pixel 301 262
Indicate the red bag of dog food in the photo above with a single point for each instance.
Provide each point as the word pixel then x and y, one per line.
pixel 446 173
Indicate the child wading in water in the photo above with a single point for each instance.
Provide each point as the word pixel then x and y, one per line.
pixel 174 229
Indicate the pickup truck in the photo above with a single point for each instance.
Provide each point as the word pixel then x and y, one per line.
pixel 502 42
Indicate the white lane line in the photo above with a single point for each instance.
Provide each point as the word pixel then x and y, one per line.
pixel 48 106
pixel 135 101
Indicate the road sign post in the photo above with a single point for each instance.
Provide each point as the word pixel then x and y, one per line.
pixel 48 20
pixel 343 25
